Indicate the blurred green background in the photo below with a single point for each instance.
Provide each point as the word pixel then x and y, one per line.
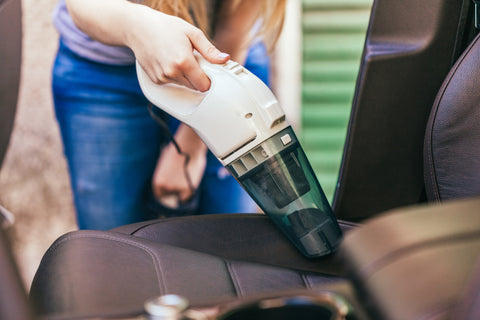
pixel 332 43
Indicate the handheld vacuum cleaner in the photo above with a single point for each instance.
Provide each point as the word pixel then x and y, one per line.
pixel 243 125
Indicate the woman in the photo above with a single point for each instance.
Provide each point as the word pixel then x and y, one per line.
pixel 111 143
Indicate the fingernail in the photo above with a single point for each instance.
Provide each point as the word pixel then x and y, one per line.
pixel 223 55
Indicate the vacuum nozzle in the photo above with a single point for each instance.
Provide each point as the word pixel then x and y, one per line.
pixel 278 176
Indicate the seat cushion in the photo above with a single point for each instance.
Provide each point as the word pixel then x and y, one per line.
pixel 244 237
pixel 100 273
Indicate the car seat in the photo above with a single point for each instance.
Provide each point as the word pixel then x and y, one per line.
pixel 13 299
pixel 10 57
pixel 409 264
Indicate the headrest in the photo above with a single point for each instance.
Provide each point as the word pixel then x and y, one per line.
pixel 452 139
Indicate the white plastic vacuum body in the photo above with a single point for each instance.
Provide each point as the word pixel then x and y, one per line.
pixel 243 125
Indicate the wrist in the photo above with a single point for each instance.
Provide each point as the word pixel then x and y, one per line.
pixel 133 21
pixel 190 142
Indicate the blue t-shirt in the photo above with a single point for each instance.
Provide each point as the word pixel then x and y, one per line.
pixel 83 45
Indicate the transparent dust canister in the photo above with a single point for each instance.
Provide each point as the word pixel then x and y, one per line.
pixel 278 176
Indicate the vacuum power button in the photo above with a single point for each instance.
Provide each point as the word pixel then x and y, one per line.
pixel 286 139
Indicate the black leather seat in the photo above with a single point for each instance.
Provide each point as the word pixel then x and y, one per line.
pixel 206 259
pixel 411 264
pixel 13 298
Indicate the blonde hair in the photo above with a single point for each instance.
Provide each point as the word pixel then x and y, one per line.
pixel 192 11
pixel 196 12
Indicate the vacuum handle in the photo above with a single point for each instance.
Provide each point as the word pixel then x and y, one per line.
pixel 177 100
pixel 237 109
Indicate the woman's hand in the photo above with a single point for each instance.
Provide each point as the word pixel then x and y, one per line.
pixel 169 178
pixel 163 44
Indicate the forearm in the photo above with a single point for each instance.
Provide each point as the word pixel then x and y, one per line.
pixel 232 35
pixel 170 177
pixel 162 44
pixel 189 141
pixel 107 21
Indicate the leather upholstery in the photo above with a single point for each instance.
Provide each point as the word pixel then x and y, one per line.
pixel 469 306
pixel 452 140
pixel 10 58
pixel 13 302
pixel 410 47
pixel 266 245
pixel 416 263
pixel 101 273
pixel 422 271
pixel 13 298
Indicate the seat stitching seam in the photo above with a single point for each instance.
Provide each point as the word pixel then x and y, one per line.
pixel 234 278
pixel 156 262
pixel 435 109
pixel 386 259
pixel 306 281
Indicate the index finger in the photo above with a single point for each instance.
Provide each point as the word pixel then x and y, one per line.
pixel 196 76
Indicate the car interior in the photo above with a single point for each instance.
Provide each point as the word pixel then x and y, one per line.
pixel 407 202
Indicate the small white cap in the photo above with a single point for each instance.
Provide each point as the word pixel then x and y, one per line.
pixel 166 307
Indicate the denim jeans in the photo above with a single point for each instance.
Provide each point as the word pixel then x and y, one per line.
pixel 112 145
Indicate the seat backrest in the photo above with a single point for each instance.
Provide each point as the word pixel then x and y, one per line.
pixel 13 298
pixel 10 59
pixel 452 138
pixel 423 262
pixel 409 49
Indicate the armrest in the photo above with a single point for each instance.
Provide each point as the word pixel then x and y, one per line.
pixel 415 262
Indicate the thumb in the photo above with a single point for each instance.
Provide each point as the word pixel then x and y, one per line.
pixel 206 48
